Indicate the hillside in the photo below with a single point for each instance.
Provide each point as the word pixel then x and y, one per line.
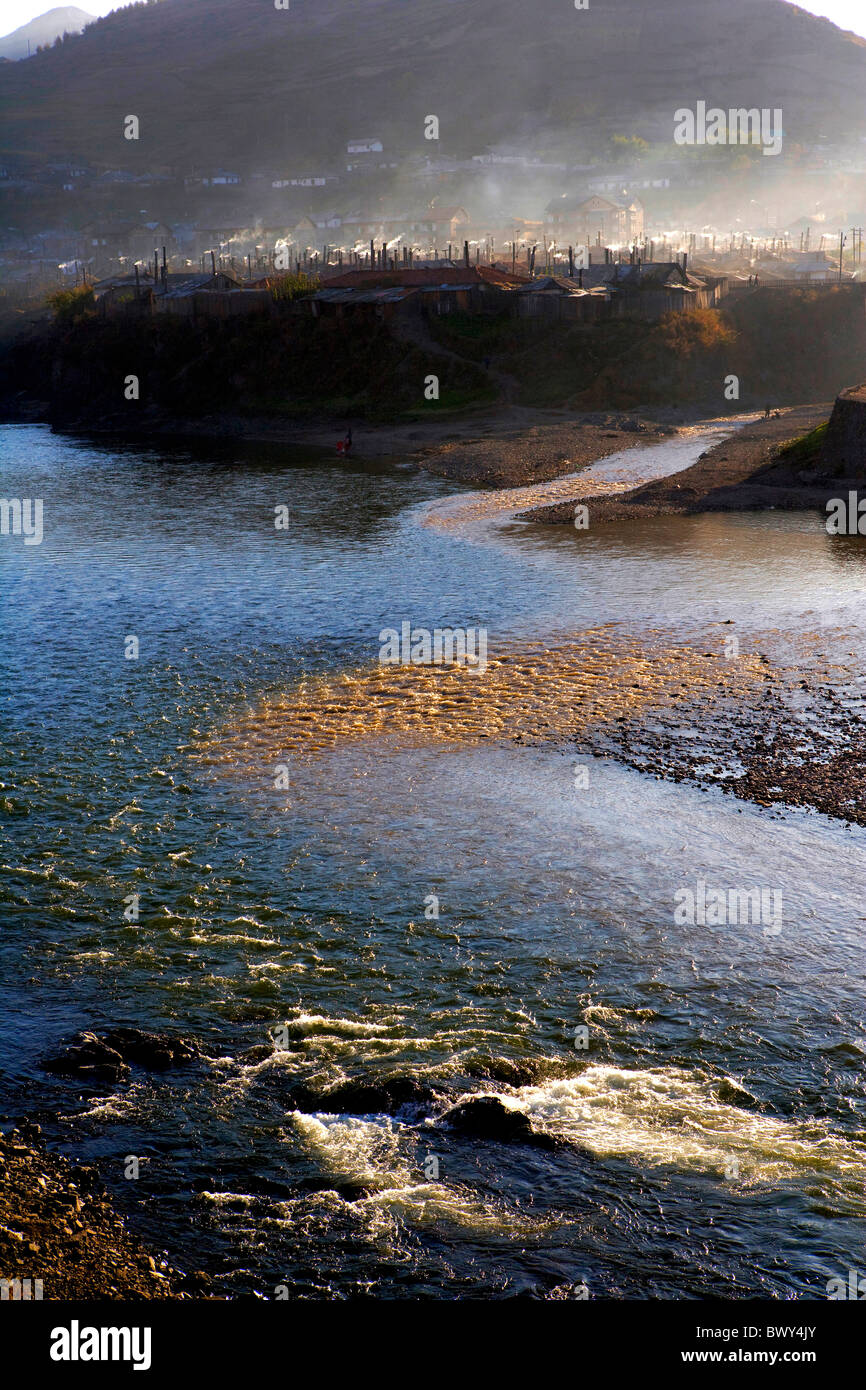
pixel 238 81
pixel 45 28
pixel 788 348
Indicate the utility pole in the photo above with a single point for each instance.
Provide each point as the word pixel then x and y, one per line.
pixel 842 241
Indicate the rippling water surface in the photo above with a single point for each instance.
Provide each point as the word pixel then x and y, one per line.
pixel 713 1139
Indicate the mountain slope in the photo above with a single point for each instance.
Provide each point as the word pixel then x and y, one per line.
pixel 65 19
pixel 237 81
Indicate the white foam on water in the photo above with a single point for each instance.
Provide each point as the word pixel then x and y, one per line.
pixel 257 942
pixel 355 1149
pixel 375 1154
pixel 306 1024
pixel 669 1117
pixel 225 1199
pixel 114 1107
pixel 438 1205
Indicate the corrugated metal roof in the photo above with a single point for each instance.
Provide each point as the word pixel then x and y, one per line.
pixel 349 296
pixel 552 284
pixel 415 278
pixel 644 276
pixel 119 282
pixel 179 284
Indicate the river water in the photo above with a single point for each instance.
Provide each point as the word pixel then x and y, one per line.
pixel 713 1136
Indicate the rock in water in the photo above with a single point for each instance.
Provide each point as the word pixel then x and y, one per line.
pixel 88 1059
pixel 155 1051
pixel 105 1056
pixel 487 1118
pixel 358 1097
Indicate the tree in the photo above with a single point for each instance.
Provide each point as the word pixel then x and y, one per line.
pixel 628 148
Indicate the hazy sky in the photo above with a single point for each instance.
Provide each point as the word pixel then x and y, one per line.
pixel 848 14
pixel 14 13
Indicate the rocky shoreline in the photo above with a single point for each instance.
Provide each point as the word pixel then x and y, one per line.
pixel 529 447
pixel 514 446
pixel 59 1229
pixel 61 1237
pixel 60 1232
pixel 509 447
pixel 797 738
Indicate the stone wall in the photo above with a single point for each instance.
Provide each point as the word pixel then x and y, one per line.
pixel 845 445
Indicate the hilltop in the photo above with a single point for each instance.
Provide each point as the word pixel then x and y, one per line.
pixel 240 82
pixel 45 28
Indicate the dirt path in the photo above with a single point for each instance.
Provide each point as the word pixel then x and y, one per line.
pixel 415 331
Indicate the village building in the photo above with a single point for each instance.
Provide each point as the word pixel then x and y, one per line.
pixel 364 154
pixel 185 294
pixel 221 178
pixel 218 295
pixel 106 240
pixel 559 297
pixel 809 266
pixel 432 227
pixel 214 236
pixel 301 181
pixel 309 230
pixel 438 290
pixel 367 145
pixel 601 220
pixel 649 289
pixel 436 225
pixel 121 293
pixel 126 241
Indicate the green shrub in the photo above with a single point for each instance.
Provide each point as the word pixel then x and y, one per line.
pixel 70 305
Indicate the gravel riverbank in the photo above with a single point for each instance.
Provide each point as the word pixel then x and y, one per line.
pixel 58 1227
pixel 747 471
